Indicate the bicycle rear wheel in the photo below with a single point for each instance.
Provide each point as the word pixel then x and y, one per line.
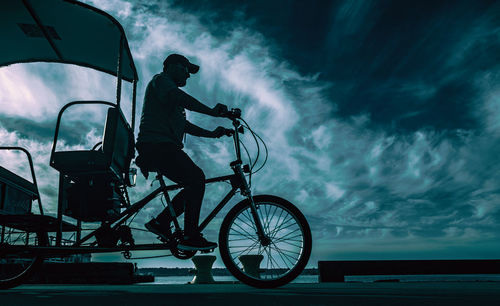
pixel 274 264
pixel 16 262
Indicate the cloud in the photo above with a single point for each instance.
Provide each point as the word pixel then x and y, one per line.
pixel 20 93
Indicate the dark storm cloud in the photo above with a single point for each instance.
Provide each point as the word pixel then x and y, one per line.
pixel 418 64
pixel 73 132
pixel 407 65
pixel 28 128
pixel 298 28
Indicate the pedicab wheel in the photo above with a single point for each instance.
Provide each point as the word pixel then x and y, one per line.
pixel 17 264
pixel 273 263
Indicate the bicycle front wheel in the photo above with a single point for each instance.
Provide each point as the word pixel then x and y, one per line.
pixel 271 264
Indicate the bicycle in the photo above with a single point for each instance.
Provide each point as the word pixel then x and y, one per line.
pixel 261 228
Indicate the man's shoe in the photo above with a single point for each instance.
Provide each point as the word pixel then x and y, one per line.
pixel 163 231
pixel 196 243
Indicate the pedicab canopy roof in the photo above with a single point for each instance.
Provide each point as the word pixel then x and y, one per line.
pixel 63 31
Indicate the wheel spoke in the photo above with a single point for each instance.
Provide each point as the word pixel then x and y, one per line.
pixel 283 238
pixel 280 227
pixel 242 234
pixel 288 251
pixel 239 246
pixel 248 215
pixel 288 234
pixel 279 217
pixel 290 259
pixel 248 234
pixel 241 253
pixel 248 224
pixel 272 259
pixel 297 246
pixel 264 221
pixel 289 239
pixel 237 232
pixel 281 255
pixel 241 239
pixel 270 218
pixel 278 230
pixel 269 259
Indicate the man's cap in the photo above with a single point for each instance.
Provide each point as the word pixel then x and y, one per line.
pixel 179 59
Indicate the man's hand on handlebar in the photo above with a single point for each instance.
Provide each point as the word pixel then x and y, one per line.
pixel 219 110
pixel 221 131
pixel 234 113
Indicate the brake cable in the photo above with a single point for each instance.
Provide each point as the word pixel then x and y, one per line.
pixel 256 142
pixel 255 136
pixel 267 153
pixel 250 160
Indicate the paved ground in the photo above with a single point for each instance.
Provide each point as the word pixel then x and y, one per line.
pixel 429 293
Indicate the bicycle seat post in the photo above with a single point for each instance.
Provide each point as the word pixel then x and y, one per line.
pixel 171 209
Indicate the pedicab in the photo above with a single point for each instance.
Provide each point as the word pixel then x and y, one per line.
pixel 93 185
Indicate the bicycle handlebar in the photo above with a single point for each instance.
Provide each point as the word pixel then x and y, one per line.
pixel 234 113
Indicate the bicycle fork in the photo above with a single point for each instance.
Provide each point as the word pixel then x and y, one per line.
pixel 245 190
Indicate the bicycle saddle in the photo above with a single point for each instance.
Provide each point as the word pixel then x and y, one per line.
pixel 145 166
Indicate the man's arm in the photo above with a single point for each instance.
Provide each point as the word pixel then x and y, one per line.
pixel 192 104
pixel 195 130
pixel 201 132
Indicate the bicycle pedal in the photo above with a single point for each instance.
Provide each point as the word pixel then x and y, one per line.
pixel 207 251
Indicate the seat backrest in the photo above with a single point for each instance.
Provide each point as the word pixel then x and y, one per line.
pixel 118 142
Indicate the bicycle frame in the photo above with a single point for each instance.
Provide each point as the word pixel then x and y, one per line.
pixel 134 208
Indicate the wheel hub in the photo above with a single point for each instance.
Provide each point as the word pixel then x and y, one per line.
pixel 265 241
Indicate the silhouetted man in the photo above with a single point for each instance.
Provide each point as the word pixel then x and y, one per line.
pixel 162 128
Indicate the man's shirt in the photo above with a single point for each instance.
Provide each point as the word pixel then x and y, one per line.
pixel 163 117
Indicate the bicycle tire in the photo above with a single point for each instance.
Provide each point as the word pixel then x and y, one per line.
pixel 265 205
pixel 14 273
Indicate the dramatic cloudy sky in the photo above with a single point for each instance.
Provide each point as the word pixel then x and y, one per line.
pixel 382 117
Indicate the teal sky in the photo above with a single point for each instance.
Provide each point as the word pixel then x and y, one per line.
pixel 381 117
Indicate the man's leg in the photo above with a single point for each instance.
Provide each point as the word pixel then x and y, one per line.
pixel 178 167
pixel 191 197
pixel 184 171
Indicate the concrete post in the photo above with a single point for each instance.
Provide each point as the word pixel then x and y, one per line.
pixel 203 265
pixel 251 264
